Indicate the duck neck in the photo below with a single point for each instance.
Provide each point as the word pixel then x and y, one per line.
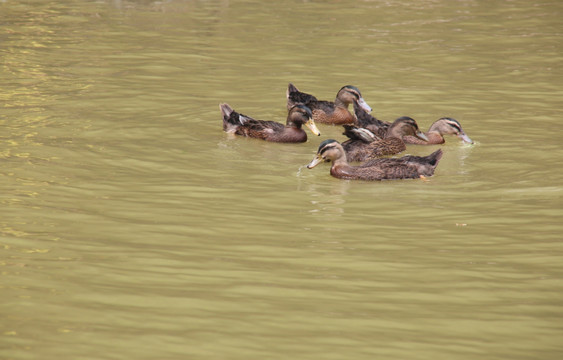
pixel 434 137
pixel 341 160
pixel 295 125
pixel 340 103
pixel 394 132
pixel 293 133
pixel 341 168
pixel 434 127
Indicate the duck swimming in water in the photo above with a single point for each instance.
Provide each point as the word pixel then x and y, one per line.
pixel 291 132
pixel 328 112
pixel 406 167
pixel 435 134
pixel 366 121
pixel 364 145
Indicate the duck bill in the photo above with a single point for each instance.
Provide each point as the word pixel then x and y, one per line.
pixel 465 138
pixel 364 105
pixel 316 161
pixel 421 136
pixel 311 125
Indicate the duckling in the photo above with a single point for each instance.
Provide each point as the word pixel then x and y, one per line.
pixel 359 147
pixel 328 112
pixel 292 132
pixel 438 129
pixel 407 167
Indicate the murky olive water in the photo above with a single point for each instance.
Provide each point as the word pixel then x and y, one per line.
pixel 132 227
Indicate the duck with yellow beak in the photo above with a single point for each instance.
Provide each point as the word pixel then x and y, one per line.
pixel 291 132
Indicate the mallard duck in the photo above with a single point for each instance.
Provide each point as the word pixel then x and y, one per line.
pixel 367 121
pixel 328 112
pixel 234 122
pixel 442 126
pixel 407 167
pixel 364 145
pixel 436 132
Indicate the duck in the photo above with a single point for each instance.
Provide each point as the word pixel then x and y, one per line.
pixel 406 167
pixel 328 112
pixel 363 144
pixel 291 132
pixel 436 132
pixel 367 121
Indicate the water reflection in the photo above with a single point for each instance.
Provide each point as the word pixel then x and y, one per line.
pixel 328 199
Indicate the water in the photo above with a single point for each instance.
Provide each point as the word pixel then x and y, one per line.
pixel 132 227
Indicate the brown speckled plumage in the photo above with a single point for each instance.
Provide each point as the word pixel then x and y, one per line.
pixel 407 167
pixel 328 112
pixel 292 132
pixel 357 149
pixel 435 134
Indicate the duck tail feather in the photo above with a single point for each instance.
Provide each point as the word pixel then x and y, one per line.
pixel 231 119
pixel 435 157
pixel 291 88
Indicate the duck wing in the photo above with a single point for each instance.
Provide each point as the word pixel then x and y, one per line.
pixel 261 129
pixel 240 124
pixel 358 133
pixel 365 120
pixel 359 150
pixel 406 167
pixel 389 146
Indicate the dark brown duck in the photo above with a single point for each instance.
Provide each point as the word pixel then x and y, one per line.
pixel 364 145
pixel 291 132
pixel 329 112
pixel 407 167
pixel 435 134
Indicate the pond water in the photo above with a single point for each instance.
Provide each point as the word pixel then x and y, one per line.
pixel 133 227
